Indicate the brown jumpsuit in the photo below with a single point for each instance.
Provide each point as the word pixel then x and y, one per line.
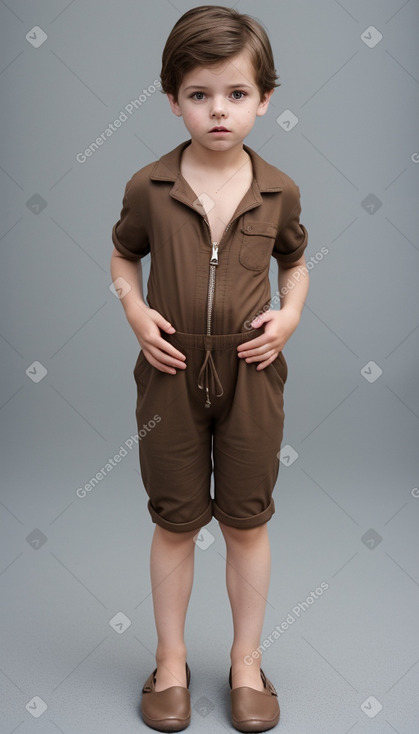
pixel 219 415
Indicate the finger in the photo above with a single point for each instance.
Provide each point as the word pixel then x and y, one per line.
pixel 162 323
pixel 167 327
pixel 262 357
pixel 257 352
pixel 164 366
pixel 161 366
pixel 258 321
pixel 265 363
pixel 259 341
pixel 169 362
pixel 161 358
pixel 165 348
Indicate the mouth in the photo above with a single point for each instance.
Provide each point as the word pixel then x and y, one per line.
pixel 219 129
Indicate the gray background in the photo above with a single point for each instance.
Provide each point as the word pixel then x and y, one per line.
pixel 347 506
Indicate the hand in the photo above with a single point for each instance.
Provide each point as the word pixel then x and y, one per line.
pixel 146 324
pixel 279 325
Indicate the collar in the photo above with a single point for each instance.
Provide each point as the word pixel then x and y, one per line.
pixel 267 177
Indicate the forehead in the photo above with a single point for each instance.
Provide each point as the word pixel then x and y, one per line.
pixel 235 71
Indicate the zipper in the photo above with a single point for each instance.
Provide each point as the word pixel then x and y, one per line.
pixel 211 284
pixel 211 289
pixel 211 279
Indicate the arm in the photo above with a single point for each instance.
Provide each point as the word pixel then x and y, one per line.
pixel 279 325
pixel 145 322
pixel 293 295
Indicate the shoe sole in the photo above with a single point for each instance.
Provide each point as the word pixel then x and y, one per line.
pixel 166 724
pixel 254 725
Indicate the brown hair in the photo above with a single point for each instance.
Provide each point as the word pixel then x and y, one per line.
pixel 208 34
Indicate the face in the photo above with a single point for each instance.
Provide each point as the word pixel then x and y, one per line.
pixel 219 104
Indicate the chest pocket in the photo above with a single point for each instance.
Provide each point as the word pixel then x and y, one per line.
pixel 258 240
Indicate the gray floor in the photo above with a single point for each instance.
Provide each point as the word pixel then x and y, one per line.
pixel 77 637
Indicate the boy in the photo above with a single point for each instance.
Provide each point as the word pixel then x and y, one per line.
pixel 211 213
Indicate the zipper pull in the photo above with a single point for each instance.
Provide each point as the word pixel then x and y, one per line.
pixel 214 255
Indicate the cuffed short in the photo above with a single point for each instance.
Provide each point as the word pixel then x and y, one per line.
pixel 237 437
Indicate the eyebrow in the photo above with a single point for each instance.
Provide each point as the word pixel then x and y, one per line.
pixel 229 86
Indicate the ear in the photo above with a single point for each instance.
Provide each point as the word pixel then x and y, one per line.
pixel 264 103
pixel 174 105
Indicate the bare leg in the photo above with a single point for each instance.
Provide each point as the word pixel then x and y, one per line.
pixel 171 568
pixel 247 576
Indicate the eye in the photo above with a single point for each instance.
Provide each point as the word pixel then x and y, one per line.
pixel 238 94
pixel 198 96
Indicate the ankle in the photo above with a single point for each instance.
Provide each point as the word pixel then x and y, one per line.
pixel 175 653
pixel 243 659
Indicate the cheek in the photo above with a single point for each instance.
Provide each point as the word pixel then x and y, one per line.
pixel 247 116
pixel 192 117
pixel 251 112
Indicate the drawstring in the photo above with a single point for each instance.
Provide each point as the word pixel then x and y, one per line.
pixel 210 375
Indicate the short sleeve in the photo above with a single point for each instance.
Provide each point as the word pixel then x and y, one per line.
pixel 292 237
pixel 129 234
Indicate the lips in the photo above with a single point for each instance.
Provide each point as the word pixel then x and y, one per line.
pixel 219 130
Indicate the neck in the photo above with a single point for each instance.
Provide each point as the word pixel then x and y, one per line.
pixel 215 160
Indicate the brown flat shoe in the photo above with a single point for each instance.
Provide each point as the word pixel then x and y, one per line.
pixel 253 710
pixel 168 710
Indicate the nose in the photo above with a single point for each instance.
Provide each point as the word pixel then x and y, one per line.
pixel 218 107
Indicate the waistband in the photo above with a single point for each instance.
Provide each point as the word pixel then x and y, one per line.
pixel 208 378
pixel 211 341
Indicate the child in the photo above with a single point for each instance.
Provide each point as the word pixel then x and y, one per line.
pixel 210 374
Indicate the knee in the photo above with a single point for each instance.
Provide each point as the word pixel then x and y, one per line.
pixel 171 538
pixel 246 536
